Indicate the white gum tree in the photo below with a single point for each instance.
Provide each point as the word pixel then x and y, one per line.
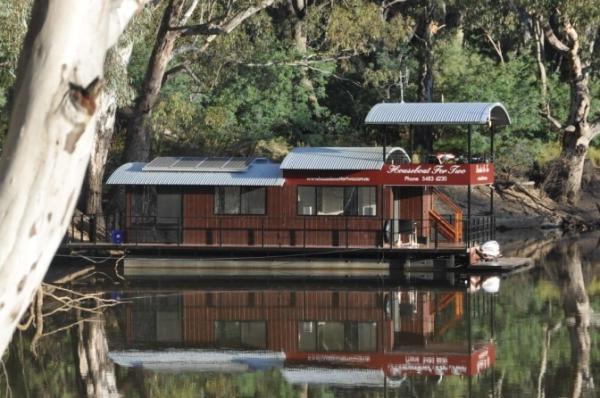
pixel 50 138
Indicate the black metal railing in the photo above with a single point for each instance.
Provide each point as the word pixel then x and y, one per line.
pixel 479 229
pixel 264 231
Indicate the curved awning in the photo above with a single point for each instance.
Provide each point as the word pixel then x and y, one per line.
pixel 428 113
pixel 340 158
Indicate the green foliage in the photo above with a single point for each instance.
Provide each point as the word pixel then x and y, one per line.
pixel 14 16
pixel 358 26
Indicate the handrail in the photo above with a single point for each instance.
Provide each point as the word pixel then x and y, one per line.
pixel 449 202
pixel 454 231
pixel 448 230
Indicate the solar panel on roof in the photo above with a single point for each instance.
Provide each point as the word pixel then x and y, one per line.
pixel 213 163
pixel 237 163
pixel 188 163
pixel 199 164
pixel 161 163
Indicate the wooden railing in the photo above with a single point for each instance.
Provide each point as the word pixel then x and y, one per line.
pixel 450 229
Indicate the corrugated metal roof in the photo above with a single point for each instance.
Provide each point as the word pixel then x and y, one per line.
pixel 258 174
pixel 439 113
pixel 336 158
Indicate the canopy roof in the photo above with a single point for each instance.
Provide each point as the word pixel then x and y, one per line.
pixel 428 113
pixel 339 158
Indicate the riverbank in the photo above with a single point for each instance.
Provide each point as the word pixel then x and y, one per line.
pixel 524 206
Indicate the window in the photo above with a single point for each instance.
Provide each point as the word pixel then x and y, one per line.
pixel 240 200
pixel 253 200
pixel 307 198
pixel 168 207
pixel 337 201
pixel 327 336
pixel 234 334
pixel 330 201
pixel 367 201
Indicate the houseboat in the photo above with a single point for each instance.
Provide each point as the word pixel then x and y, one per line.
pixel 369 200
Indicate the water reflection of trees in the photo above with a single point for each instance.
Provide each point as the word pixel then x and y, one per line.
pixel 567 272
pixel 62 327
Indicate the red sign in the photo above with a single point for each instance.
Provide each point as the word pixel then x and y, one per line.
pixel 407 363
pixel 439 174
pixel 407 174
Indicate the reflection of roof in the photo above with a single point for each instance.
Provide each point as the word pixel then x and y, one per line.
pixel 197 360
pixel 338 377
pixel 337 158
pixel 259 173
pixel 429 113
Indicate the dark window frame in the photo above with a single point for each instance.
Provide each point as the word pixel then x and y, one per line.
pixel 348 328
pixel 240 189
pixel 344 214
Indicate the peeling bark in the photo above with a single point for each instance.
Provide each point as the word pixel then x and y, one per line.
pixel 41 167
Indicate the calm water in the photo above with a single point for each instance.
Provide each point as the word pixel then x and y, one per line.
pixel 448 335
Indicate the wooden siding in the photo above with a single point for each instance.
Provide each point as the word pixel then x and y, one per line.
pixel 281 310
pixel 280 226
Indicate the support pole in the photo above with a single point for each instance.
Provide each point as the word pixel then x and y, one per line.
pixel 492 161
pixel 412 141
pixel 384 144
pixel 469 136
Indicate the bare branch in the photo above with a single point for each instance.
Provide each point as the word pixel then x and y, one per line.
pixel 182 67
pixel 497 47
pixel 553 122
pixel 189 12
pixel 552 38
pixel 226 26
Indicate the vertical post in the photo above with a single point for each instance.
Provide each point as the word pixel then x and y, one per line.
pixel 262 231
pixel 384 144
pixel 411 134
pixel 493 162
pixel 382 212
pixel 347 244
pixel 304 231
pixel 220 231
pixel 469 136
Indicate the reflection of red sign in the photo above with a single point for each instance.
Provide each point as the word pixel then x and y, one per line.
pixel 408 174
pixel 400 364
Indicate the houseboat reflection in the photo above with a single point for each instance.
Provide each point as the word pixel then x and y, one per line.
pixel 339 337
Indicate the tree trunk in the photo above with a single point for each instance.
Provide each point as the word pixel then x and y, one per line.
pixel 94 367
pixel 104 130
pixel 576 305
pixel 137 145
pixel 49 139
pixel 423 137
pixel 563 182
pixel 301 41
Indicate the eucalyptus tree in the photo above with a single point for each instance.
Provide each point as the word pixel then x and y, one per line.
pixel 571 28
pixel 208 20
pixel 49 139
